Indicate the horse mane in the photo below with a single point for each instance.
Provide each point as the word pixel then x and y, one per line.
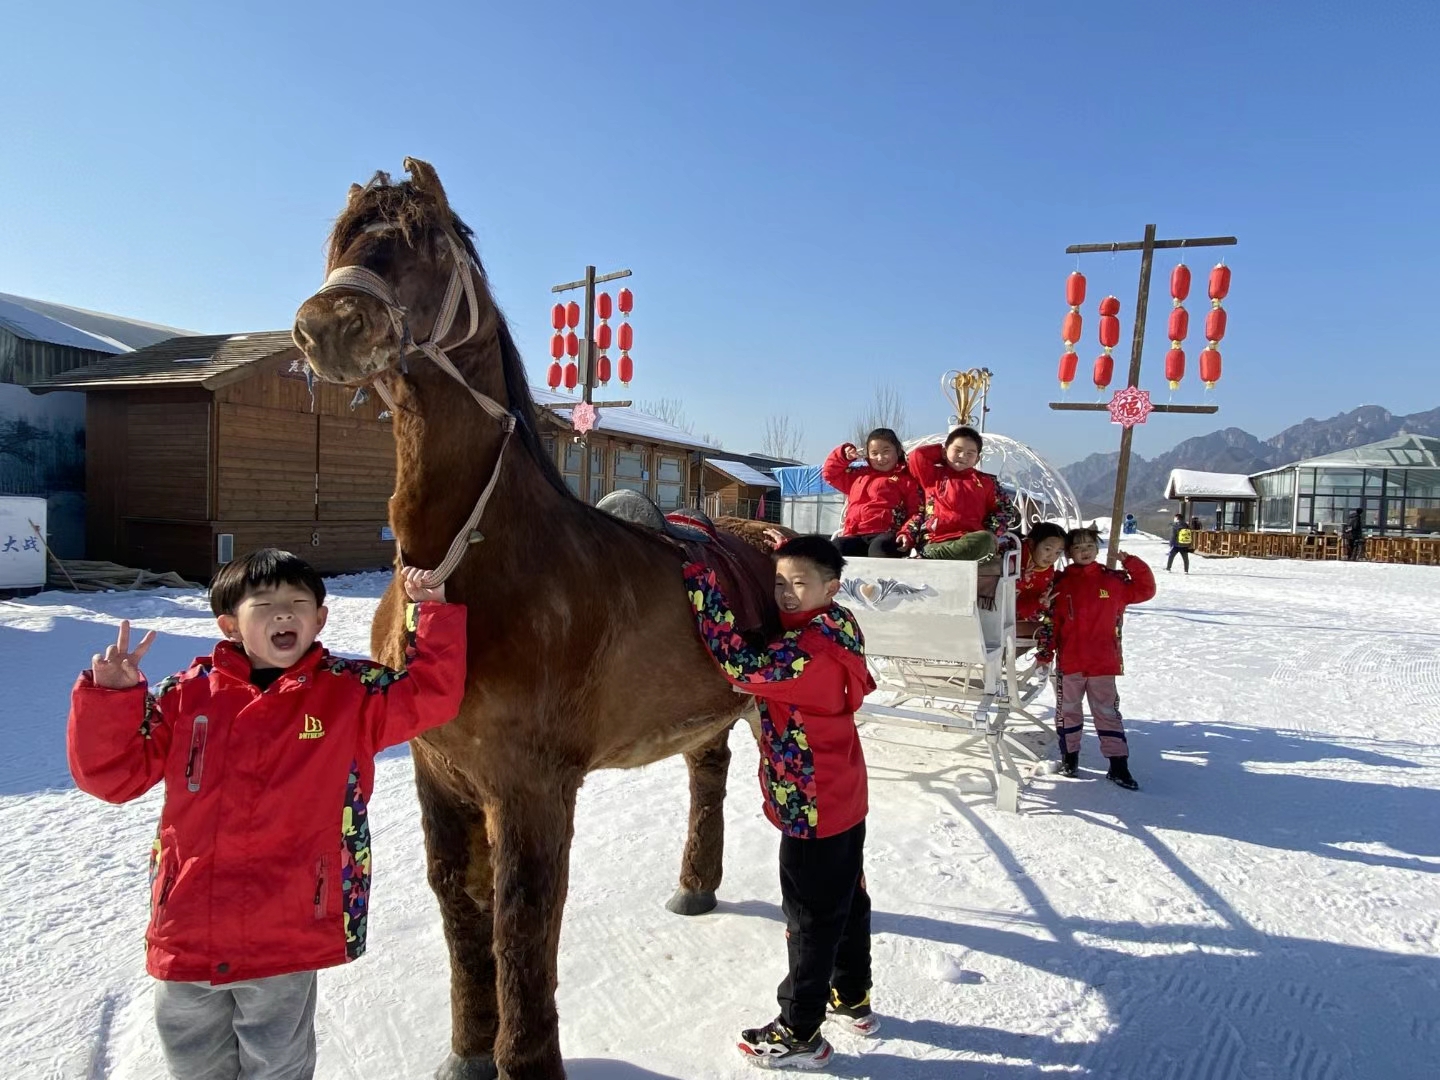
pixel 413 216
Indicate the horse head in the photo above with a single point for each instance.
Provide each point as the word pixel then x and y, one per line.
pixel 398 258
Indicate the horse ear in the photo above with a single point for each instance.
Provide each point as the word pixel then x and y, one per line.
pixel 427 183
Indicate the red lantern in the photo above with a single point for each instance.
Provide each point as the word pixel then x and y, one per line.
pixel 1110 305
pixel 627 337
pixel 602 336
pixel 1104 370
pixel 572 376
pixel 557 316
pixel 1180 283
pixel 627 369
pixel 1215 326
pixel 1220 282
pixel 572 344
pixel 602 369
pixel 1179 324
pixel 1069 361
pixel 552 376
pixel 1175 367
pixel 1070 328
pixel 1210 367
pixel 572 314
pixel 627 301
pixel 1075 292
pixel 602 306
pixel 1109 331
pixel 557 346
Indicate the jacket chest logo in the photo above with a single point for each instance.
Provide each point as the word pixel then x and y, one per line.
pixel 313 728
pixel 1104 595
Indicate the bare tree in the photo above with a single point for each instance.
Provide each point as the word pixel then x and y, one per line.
pixel 886 409
pixel 782 437
pixel 669 409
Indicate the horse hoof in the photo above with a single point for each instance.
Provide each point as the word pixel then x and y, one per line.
pixel 691 902
pixel 468 1068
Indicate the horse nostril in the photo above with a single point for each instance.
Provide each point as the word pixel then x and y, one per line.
pixel 355 324
pixel 302 335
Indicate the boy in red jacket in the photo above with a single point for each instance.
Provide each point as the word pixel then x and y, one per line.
pixel 880 494
pixel 807 686
pixel 966 511
pixel 260 872
pixel 1086 614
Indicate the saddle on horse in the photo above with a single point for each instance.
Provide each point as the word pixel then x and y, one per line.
pixel 745 574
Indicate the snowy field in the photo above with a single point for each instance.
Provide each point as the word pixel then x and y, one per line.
pixel 1266 906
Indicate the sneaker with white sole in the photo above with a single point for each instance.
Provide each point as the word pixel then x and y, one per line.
pixel 857 1017
pixel 775 1046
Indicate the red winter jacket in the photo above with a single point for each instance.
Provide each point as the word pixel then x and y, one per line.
pixel 807 686
pixel 875 502
pixel 1031 586
pixel 956 503
pixel 262 862
pixel 1088 611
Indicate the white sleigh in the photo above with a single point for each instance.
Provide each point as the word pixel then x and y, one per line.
pixel 942 660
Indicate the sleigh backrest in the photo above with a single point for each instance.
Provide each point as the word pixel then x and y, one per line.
pixel 916 608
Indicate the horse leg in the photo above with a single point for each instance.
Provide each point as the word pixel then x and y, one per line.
pixel 702 864
pixel 530 833
pixel 458 866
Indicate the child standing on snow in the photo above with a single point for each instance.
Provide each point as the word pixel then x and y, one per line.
pixel 880 494
pixel 260 873
pixel 807 686
pixel 1086 613
pixel 966 511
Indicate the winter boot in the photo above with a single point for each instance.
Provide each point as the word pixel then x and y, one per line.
pixel 857 1017
pixel 1120 773
pixel 1070 763
pixel 775 1046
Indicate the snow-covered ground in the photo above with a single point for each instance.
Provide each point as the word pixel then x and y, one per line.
pixel 1266 906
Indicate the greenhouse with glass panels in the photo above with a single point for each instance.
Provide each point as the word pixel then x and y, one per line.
pixel 1395 484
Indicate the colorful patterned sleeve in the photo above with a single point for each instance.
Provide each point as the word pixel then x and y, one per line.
pixel 743 665
pixel 1003 515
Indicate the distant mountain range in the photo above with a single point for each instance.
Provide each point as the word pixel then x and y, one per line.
pixel 1232 450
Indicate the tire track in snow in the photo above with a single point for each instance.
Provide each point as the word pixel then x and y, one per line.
pixel 100 1064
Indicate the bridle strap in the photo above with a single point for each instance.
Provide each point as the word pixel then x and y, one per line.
pixel 461 286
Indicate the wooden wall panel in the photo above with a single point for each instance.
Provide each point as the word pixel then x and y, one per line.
pixel 266 468
pixel 331 547
pixel 104 474
pixel 181 546
pixel 357 469
pixel 166 460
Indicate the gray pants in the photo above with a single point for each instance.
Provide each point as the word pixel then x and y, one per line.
pixel 261 1029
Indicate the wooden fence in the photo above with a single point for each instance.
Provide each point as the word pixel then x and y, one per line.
pixel 1422 551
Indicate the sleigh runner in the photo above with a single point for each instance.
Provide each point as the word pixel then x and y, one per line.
pixel 944 657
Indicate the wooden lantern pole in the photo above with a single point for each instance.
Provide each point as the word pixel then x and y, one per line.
pixel 1147 248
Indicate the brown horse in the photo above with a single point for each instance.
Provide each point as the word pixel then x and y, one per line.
pixel 583 652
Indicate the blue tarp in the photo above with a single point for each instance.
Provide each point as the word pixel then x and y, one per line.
pixel 797 481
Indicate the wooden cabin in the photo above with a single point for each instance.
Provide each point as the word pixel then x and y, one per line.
pixel 202 448
pixel 738 487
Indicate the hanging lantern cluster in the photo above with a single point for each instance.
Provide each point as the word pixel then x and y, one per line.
pixel 626 303
pixel 1179 325
pixel 1214 326
pixel 563 319
pixel 1109 338
pixel 1070 327
pixel 557 346
pixel 603 310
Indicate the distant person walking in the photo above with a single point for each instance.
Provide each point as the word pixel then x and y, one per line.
pixel 1182 542
pixel 1355 535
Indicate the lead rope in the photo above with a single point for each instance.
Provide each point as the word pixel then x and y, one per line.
pixel 462 284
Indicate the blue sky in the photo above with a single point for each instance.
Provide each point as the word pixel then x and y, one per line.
pixel 815 198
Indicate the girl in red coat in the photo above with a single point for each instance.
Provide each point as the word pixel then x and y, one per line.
pixel 966 511
pixel 1087 611
pixel 880 495
pixel 1038 555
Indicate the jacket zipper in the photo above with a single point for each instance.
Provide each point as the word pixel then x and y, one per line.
pixel 195 763
pixel 322 882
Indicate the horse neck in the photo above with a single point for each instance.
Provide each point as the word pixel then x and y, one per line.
pixel 446 451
